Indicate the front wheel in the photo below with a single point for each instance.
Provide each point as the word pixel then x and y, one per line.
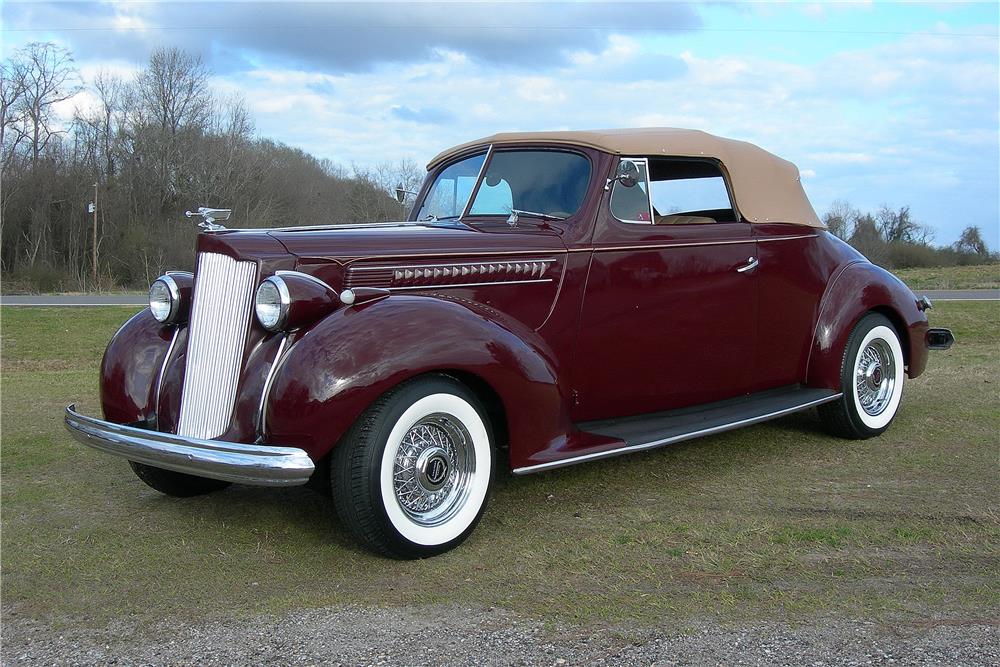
pixel 871 378
pixel 412 476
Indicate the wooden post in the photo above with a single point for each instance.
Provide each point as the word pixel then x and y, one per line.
pixel 94 255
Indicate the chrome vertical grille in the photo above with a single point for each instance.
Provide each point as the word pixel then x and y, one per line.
pixel 220 319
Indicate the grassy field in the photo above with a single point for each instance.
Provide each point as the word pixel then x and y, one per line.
pixel 984 276
pixel 775 522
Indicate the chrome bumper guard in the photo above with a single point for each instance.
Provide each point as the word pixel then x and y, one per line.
pixel 259 465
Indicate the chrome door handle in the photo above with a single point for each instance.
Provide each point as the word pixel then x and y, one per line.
pixel 753 262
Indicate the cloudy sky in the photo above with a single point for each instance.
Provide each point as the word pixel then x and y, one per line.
pixel 892 103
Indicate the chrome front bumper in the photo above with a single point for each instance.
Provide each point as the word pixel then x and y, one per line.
pixel 260 465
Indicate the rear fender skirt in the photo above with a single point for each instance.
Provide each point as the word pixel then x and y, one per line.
pixel 859 288
pixel 334 371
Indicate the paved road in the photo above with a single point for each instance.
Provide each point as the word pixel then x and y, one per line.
pixel 961 294
pixel 140 299
pixel 75 300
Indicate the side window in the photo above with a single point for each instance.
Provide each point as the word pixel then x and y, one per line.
pixel 688 192
pixel 631 204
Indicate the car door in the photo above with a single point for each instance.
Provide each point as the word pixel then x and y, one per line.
pixel 669 317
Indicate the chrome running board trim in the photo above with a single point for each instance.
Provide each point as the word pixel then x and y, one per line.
pixel 628 449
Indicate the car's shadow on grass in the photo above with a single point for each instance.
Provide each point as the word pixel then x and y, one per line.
pixel 311 514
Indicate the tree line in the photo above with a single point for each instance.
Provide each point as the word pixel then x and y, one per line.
pixel 891 238
pixel 149 147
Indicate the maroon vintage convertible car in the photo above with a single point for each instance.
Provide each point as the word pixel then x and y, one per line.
pixel 569 296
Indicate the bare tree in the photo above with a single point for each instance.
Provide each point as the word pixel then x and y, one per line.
pixel 12 110
pixel 971 242
pixel 49 78
pixel 173 90
pixel 896 226
pixel 867 239
pixel 840 218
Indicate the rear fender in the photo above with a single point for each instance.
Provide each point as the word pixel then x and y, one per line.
pixel 861 287
pixel 334 371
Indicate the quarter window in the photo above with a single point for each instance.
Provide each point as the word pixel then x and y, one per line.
pixel 631 204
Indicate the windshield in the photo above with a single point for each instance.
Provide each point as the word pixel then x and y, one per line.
pixel 552 183
pixel 450 193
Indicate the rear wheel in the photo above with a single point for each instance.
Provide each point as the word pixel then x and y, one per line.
pixel 176 484
pixel 412 476
pixel 872 373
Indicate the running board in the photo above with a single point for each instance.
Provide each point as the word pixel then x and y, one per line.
pixel 649 431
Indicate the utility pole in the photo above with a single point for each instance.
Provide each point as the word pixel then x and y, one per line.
pixel 95 236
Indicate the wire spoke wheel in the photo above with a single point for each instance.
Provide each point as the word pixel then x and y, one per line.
pixel 433 469
pixel 871 379
pixel 412 477
pixel 875 377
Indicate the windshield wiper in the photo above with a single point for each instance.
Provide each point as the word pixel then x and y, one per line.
pixel 516 213
pixel 434 218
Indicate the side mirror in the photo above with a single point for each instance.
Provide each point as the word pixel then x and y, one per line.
pixel 627 174
pixel 401 193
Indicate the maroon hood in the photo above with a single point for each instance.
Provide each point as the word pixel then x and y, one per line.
pixel 345 243
pixel 326 252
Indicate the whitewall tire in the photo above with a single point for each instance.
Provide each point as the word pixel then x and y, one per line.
pixel 872 376
pixel 412 477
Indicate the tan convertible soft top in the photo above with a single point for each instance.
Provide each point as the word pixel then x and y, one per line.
pixel 766 188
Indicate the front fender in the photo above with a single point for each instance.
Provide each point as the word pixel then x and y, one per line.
pixel 131 367
pixel 861 287
pixel 334 371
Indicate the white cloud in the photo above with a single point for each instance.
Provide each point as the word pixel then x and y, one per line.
pixel 835 157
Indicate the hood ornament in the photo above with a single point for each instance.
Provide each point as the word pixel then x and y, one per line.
pixel 209 216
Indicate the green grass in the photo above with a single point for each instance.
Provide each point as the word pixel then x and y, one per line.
pixel 777 522
pixel 983 276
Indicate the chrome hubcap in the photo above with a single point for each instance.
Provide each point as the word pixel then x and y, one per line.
pixel 875 377
pixel 433 469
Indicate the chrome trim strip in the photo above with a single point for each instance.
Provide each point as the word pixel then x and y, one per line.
pixel 306 276
pixel 677 438
pixel 260 465
pixel 431 266
pixel 321 228
pixel 266 390
pixel 663 246
pixel 786 238
pixel 495 282
pixel 163 369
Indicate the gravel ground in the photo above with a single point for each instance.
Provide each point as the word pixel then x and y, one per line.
pixel 455 636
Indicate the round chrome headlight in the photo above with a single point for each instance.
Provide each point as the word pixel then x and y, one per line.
pixel 164 299
pixel 271 303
